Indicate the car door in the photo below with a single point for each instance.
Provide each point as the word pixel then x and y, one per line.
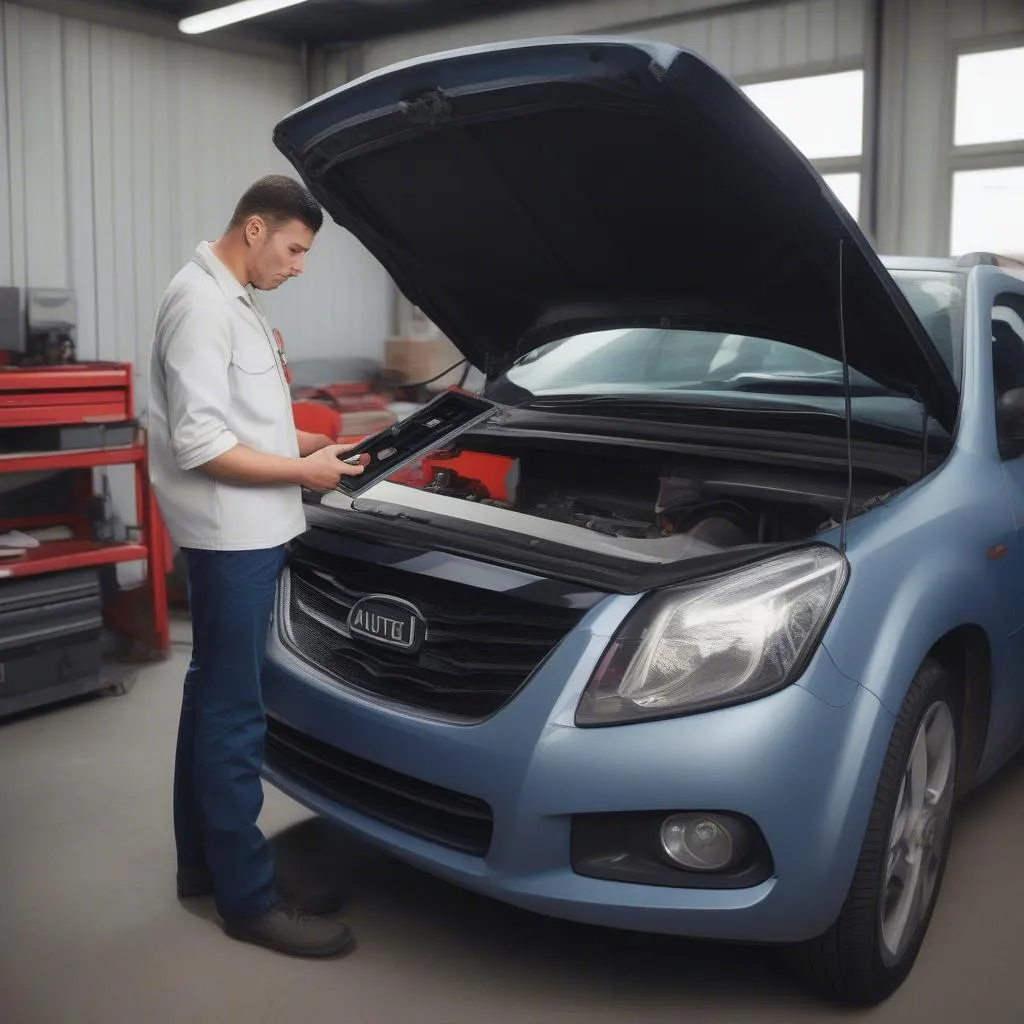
pixel 1007 324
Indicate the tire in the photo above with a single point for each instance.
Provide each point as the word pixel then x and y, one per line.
pixel 865 956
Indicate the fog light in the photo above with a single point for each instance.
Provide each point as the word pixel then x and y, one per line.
pixel 703 842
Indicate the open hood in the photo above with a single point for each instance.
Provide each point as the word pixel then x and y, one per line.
pixel 521 192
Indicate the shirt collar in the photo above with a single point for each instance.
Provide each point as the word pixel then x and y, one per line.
pixel 229 284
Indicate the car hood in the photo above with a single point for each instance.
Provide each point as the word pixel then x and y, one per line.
pixel 520 192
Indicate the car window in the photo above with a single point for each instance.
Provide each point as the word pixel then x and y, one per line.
pixel 641 360
pixel 937 297
pixel 1007 343
pixel 637 356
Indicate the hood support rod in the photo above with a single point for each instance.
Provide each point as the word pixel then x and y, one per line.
pixel 848 407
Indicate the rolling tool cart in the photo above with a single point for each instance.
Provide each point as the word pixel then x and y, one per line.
pixel 62 613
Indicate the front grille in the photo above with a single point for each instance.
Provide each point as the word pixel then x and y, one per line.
pixel 481 646
pixel 420 808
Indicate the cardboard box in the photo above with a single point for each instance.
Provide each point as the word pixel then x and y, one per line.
pixel 420 359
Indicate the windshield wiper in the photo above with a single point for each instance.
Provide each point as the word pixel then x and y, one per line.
pixel 781 385
pixel 584 401
pixel 644 407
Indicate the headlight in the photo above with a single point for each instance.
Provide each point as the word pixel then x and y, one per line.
pixel 706 645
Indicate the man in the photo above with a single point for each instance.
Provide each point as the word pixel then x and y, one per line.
pixel 228 468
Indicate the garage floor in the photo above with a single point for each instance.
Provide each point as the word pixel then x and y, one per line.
pixel 91 930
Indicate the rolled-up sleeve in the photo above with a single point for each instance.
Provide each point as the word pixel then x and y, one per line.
pixel 195 347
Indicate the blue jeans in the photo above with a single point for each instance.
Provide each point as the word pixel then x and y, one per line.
pixel 218 792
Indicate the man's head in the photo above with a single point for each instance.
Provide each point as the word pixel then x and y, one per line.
pixel 271 231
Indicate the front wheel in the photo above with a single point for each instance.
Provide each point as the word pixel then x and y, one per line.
pixel 868 952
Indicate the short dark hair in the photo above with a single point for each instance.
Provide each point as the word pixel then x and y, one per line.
pixel 278 199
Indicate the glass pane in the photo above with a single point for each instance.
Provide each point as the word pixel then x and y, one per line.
pixel 988 212
pixel 988 97
pixel 823 116
pixel 847 190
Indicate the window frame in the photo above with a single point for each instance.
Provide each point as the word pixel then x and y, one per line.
pixel 1008 451
pixel 863 162
pixel 984 156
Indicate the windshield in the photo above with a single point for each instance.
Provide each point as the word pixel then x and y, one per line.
pixel 676 365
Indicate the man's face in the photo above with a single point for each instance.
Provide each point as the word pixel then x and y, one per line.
pixel 276 254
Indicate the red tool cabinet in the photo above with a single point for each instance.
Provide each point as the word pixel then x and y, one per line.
pixel 99 395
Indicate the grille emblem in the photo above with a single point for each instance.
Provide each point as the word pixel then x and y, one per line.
pixel 387 621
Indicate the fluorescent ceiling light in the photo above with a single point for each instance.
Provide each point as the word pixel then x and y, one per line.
pixel 232 13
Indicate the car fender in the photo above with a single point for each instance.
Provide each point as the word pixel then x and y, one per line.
pixel 917 574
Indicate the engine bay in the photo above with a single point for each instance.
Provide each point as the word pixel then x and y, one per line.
pixel 638 495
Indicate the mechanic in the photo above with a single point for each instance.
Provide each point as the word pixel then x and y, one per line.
pixel 228 467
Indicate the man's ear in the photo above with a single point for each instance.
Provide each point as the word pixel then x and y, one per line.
pixel 255 229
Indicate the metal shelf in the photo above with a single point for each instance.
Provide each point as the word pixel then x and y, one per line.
pixel 64 555
pixel 79 458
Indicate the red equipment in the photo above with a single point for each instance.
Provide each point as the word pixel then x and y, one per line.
pixel 98 395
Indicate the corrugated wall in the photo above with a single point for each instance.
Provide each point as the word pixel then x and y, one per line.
pixel 971 19
pixel 773 40
pixel 785 37
pixel 923 38
pixel 119 152
pixel 912 142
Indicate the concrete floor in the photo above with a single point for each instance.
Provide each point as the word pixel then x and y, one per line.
pixel 91 930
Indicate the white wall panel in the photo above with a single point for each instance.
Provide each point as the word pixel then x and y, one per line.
pixel 42 136
pixel 783 37
pixel 795 34
pixel 720 48
pixel 763 42
pixel 120 151
pixel 921 41
pixel 565 19
pixel 78 127
pixel 964 20
pixel 6 240
pixel 852 20
pixel 1002 16
pixel 744 50
pixel 15 146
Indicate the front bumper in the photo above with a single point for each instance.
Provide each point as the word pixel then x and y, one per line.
pixel 803 770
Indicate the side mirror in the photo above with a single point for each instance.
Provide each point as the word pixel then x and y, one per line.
pixel 1010 419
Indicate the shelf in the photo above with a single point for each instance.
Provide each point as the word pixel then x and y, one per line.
pixel 65 414
pixel 85 393
pixel 79 458
pixel 64 555
pixel 65 378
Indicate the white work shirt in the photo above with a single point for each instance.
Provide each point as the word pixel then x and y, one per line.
pixel 217 380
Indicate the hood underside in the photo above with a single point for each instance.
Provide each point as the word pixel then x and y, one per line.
pixel 522 192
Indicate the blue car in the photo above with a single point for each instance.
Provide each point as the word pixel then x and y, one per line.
pixel 709 625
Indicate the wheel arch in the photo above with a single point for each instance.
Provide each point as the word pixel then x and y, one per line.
pixel 966 653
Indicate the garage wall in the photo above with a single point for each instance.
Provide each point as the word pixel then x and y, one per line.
pixel 740 39
pixel 746 41
pixel 773 41
pixel 909 158
pixel 922 39
pixel 120 151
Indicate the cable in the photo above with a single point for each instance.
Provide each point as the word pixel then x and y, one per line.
pixel 849 408
pixel 443 373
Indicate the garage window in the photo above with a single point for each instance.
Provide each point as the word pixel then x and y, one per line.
pixel 987 163
pixel 823 116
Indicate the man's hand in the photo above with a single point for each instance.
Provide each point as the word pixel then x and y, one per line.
pixel 322 470
pixel 310 443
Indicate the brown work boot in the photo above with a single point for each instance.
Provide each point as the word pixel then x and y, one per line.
pixel 320 898
pixel 287 930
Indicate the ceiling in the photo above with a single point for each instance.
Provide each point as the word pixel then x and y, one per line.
pixel 339 22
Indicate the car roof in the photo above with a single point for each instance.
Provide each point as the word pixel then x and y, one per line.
pixel 952 264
